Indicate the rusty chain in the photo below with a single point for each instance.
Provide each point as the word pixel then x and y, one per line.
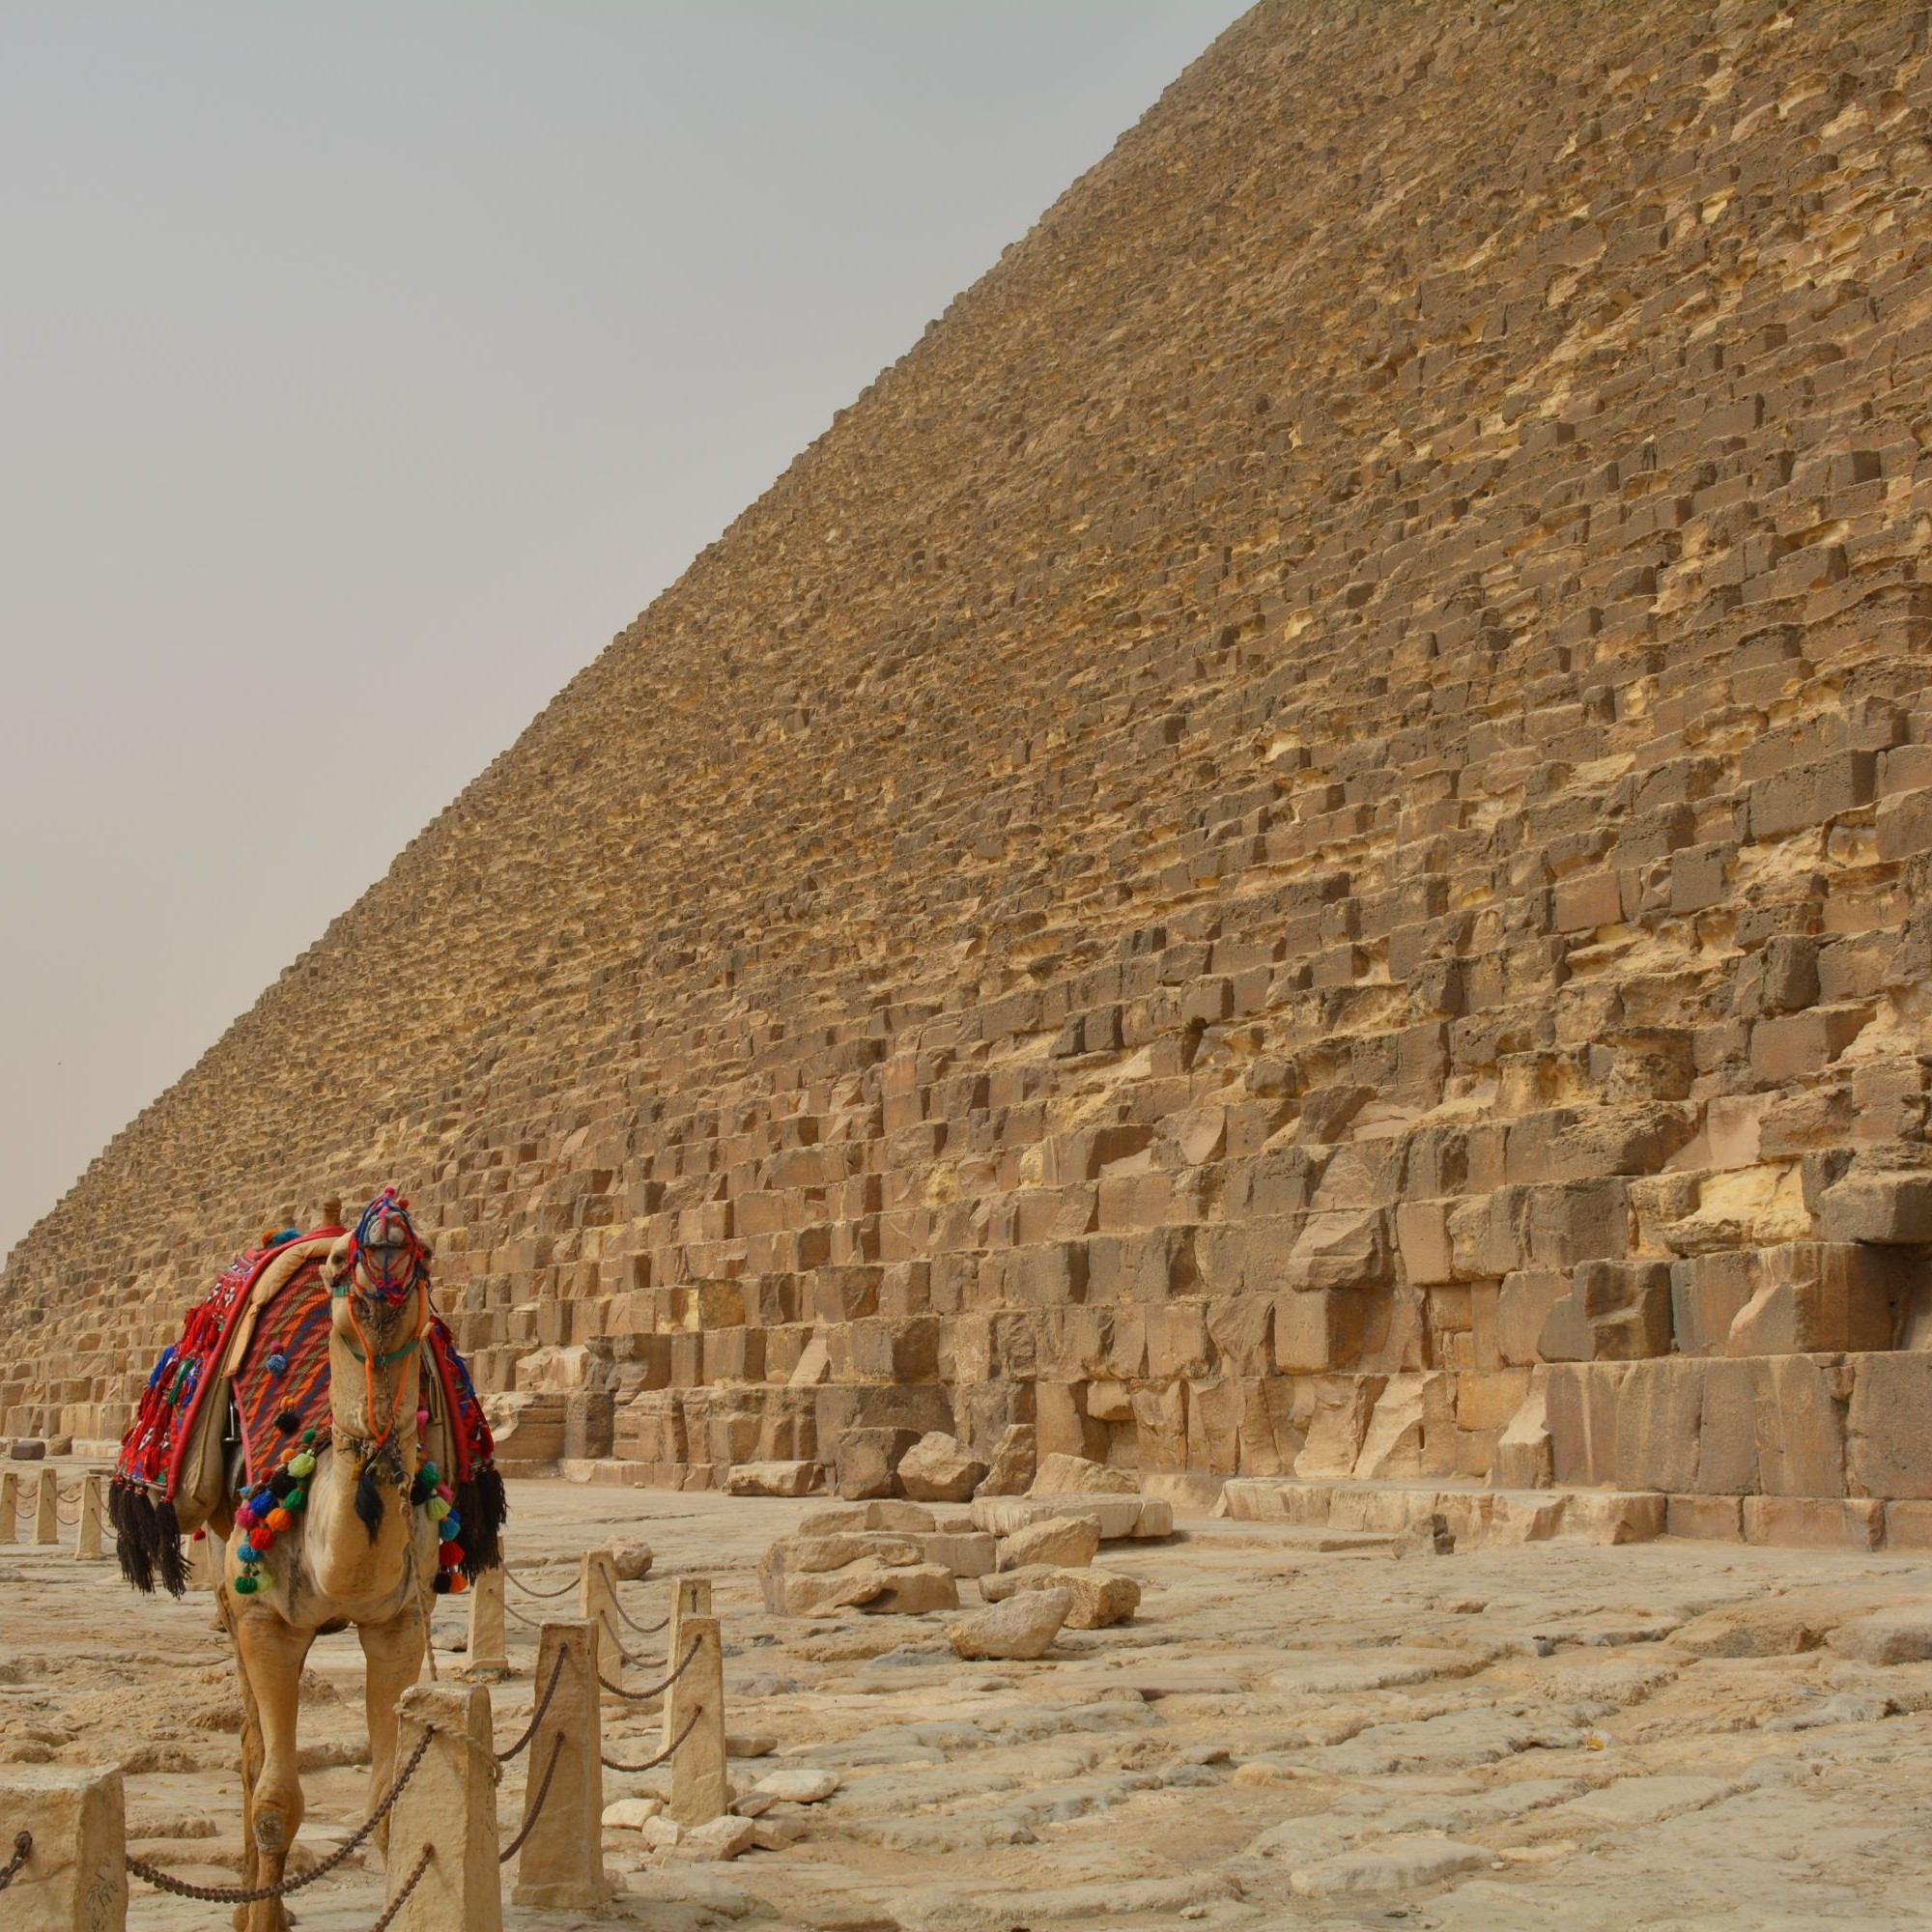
pixel 608 1631
pixel 532 1813
pixel 530 1590
pixel 643 1629
pixel 543 1705
pixel 23 1843
pixel 656 1690
pixel 669 1749
pixel 396 1904
pixel 235 1894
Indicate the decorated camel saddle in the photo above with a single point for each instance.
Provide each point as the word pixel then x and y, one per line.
pixel 233 1414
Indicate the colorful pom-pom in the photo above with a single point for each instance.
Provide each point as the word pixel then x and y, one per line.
pixel 279 1363
pixel 297 1498
pixel 436 1509
pixel 261 1540
pixel 431 1474
pixel 448 1530
pixel 449 1556
pixel 441 1582
pixel 308 1437
pixel 458 1581
pixel 422 1420
pixel 302 1463
pixel 280 1521
pixel 245 1584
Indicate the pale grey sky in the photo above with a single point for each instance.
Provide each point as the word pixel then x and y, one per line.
pixel 383 360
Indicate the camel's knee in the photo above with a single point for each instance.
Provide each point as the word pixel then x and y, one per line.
pixel 276 1816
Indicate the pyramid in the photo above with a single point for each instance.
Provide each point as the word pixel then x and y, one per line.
pixel 1292 853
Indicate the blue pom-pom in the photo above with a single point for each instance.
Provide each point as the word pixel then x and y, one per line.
pixel 277 1363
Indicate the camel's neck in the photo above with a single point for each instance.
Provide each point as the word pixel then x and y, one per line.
pixel 373 1416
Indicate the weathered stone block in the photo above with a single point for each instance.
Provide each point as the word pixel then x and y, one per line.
pixel 1888 1427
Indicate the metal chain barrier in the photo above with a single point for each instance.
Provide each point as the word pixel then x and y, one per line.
pixel 235 1895
pixel 531 1590
pixel 656 1690
pixel 396 1904
pixel 543 1705
pixel 516 1844
pixel 664 1756
pixel 23 1843
pixel 643 1629
pixel 629 1656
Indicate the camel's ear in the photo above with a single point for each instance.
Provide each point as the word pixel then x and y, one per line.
pixel 337 1262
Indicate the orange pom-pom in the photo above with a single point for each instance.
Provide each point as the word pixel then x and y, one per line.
pixel 279 1521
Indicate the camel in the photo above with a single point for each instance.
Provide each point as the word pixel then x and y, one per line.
pixel 353 1519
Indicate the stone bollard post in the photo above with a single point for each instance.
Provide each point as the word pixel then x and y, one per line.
pixel 9 1506
pixel 450 1803
pixel 699 1789
pixel 73 1879
pixel 561 1865
pixel 47 1509
pixel 689 1597
pixel 87 1541
pixel 489 1654
pixel 597 1601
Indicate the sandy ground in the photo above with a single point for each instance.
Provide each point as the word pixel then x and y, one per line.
pixel 1669 1735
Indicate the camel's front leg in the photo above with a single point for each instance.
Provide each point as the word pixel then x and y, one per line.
pixel 393 1652
pixel 251 1755
pixel 272 1653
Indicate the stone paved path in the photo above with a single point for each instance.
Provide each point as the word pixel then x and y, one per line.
pixel 1669 1735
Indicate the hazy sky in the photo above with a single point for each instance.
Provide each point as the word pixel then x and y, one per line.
pixel 363 368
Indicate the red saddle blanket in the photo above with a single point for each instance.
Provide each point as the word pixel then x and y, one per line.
pixel 281 1382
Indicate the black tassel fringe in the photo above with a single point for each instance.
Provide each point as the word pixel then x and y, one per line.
pixel 131 1511
pixel 482 1505
pixel 369 1500
pixel 169 1559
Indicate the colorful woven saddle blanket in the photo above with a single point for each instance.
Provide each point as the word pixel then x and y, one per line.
pixel 261 1339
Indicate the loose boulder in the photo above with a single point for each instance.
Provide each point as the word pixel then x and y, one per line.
pixel 938 1468
pixel 1022 1627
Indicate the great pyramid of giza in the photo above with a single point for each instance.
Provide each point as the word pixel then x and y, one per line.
pixel 1291 852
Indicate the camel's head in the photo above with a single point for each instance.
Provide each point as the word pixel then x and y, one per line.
pixel 380 1272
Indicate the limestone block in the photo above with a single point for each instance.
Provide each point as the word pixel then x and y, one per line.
pixel 1410 1431
pixel 1319 1330
pixel 1523 1305
pixel 1659 1410
pixel 1708 1519
pixel 1062 1475
pixel 1891 1208
pixel 964 1552
pixel 1524 1458
pixel 912 1591
pixel 771 1479
pixel 1728 1428
pixel 73 1880
pixel 1342 1406
pixel 1612 1517
pixel 1013 1463
pixel 1347 1249
pixel 1813 1523
pixel 487 1653
pixel 1888 1426
pixel 1098 1599
pixel 1423 1241
pixel 1818 1296
pixel 1581 1412
pixel 1801 1433
pixel 1023 1627
pixel 1707 1291
pixel 817 1554
pixel 938 1470
pixel 865 1461
pixel 1068 1540
pixel 529 1426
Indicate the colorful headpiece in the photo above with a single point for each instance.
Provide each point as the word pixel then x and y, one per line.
pixel 399 1270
